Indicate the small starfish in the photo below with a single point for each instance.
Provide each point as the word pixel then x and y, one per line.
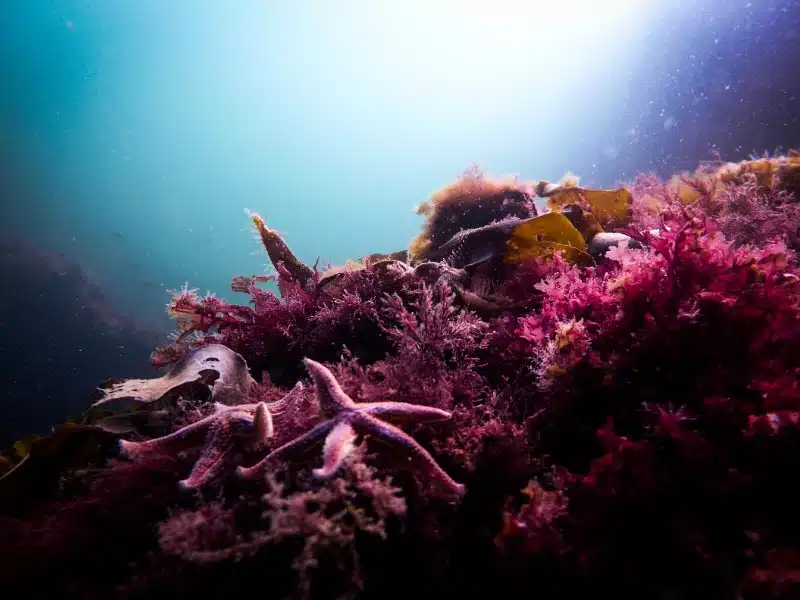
pixel 344 419
pixel 230 427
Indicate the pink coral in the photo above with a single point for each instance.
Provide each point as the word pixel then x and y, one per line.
pixel 326 520
pixel 623 429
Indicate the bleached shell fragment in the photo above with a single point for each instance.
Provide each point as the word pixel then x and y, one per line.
pixel 605 240
pixel 221 370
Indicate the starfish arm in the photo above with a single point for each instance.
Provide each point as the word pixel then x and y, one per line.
pixel 403 413
pixel 332 399
pixel 185 438
pixel 401 441
pixel 263 427
pixel 338 446
pixel 281 405
pixel 296 447
pixel 220 442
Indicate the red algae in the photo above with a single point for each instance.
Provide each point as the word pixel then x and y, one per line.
pixel 621 426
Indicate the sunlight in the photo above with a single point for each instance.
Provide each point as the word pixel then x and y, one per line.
pixel 447 51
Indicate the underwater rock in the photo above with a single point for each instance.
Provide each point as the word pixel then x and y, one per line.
pixel 59 336
pixel 602 242
pixel 37 464
pixel 472 201
pixel 515 240
pixel 147 422
pixel 472 246
pixel 213 368
pixel 436 274
pixel 600 450
pixel 582 220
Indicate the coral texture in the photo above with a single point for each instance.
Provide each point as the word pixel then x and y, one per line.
pixel 598 401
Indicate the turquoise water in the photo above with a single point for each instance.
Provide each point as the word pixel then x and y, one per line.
pixel 136 133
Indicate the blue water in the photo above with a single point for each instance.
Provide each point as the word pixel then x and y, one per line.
pixel 135 133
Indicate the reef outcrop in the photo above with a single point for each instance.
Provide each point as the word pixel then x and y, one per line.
pixel 554 391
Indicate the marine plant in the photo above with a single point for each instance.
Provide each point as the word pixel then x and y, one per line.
pixel 598 400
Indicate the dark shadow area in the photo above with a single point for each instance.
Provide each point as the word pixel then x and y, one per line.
pixel 59 339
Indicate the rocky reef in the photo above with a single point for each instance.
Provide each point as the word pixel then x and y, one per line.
pixel 554 391
pixel 48 304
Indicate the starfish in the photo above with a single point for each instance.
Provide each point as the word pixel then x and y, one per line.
pixel 345 419
pixel 246 426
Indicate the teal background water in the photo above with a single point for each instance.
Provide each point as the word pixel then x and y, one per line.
pixel 136 132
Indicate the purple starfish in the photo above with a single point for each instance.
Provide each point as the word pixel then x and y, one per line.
pixel 246 426
pixel 345 419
